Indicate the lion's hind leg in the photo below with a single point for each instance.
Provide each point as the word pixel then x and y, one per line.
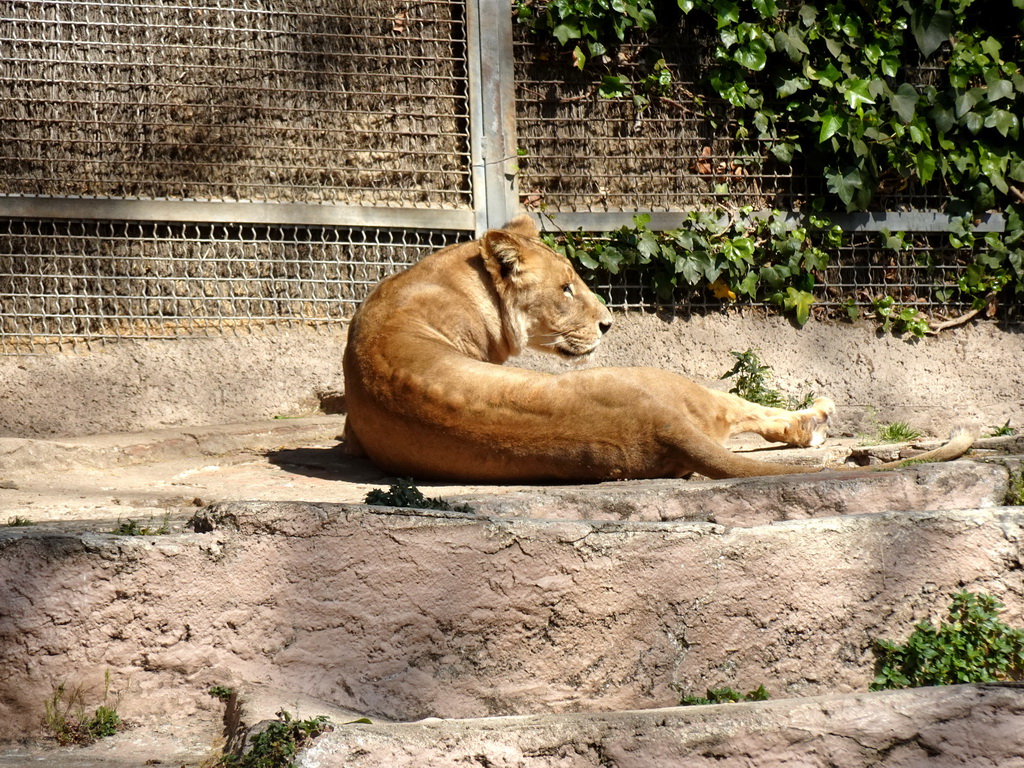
pixel 806 428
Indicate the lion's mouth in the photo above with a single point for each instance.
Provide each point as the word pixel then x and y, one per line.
pixel 575 352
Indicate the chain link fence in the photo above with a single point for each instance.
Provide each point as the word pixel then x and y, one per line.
pixel 925 276
pixel 93 280
pixel 174 166
pixel 356 102
pixel 582 152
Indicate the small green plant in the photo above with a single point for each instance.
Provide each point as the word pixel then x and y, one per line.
pixel 18 521
pixel 897 432
pixel 1003 431
pixel 1015 491
pixel 752 383
pixel 277 745
pixel 405 494
pixel 133 528
pixel 68 721
pixel 899 319
pixel 973 646
pixel 221 692
pixel 725 696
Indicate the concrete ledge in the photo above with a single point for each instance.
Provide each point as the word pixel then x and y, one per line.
pixel 20 455
pixel 935 727
pixel 406 615
pixel 760 500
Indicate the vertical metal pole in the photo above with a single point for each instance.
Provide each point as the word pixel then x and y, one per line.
pixel 492 114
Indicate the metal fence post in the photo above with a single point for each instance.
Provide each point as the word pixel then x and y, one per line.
pixel 492 112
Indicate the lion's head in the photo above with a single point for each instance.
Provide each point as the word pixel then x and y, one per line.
pixel 547 306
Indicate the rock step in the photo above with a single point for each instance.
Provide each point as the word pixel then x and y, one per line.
pixel 25 455
pixel 405 614
pixel 761 500
pixel 935 727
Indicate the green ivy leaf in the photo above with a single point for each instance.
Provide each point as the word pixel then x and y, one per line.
pixel 931 28
pixel 944 119
pixel 753 55
pixel 800 303
pixel 766 8
pixel 791 42
pixel 973 121
pixel 991 47
pixel 1005 122
pixel 788 87
pixel 614 86
pixel 611 259
pixel 727 11
pixel 648 245
pixel 748 285
pixel 846 185
pixel 968 100
pixel 579 59
pixel 783 151
pixel 904 102
pixel 998 89
pixel 565 32
pixel 829 74
pixel 690 269
pixel 831 124
pixel 584 258
pixel 926 163
pixel 856 93
pixel 808 15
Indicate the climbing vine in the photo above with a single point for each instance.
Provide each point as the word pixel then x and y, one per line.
pixel 879 95
pixel 773 258
pixel 762 258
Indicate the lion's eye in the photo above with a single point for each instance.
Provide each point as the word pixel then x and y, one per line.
pixel 567 289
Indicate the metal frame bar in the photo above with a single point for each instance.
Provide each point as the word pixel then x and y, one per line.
pixel 914 221
pixel 218 212
pixel 492 113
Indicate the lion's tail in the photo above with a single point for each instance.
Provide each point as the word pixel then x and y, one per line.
pixel 715 461
pixel 960 441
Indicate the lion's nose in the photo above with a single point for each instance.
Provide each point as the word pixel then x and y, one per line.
pixel 603 326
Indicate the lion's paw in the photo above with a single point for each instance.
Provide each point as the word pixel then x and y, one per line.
pixel 816 421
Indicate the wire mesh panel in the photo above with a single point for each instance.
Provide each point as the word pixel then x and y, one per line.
pixel 583 152
pixel 63 282
pixel 925 275
pixel 357 107
pixel 352 101
pixel 682 151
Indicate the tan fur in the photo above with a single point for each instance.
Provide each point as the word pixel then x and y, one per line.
pixel 427 396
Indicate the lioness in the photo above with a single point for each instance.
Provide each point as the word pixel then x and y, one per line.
pixel 427 395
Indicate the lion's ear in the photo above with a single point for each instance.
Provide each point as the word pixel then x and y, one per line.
pixel 503 255
pixel 523 225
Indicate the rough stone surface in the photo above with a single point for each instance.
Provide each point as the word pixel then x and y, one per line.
pixel 339 609
pixel 197 380
pixel 23 456
pixel 757 501
pixel 972 374
pixel 102 478
pixel 409 615
pixel 934 727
